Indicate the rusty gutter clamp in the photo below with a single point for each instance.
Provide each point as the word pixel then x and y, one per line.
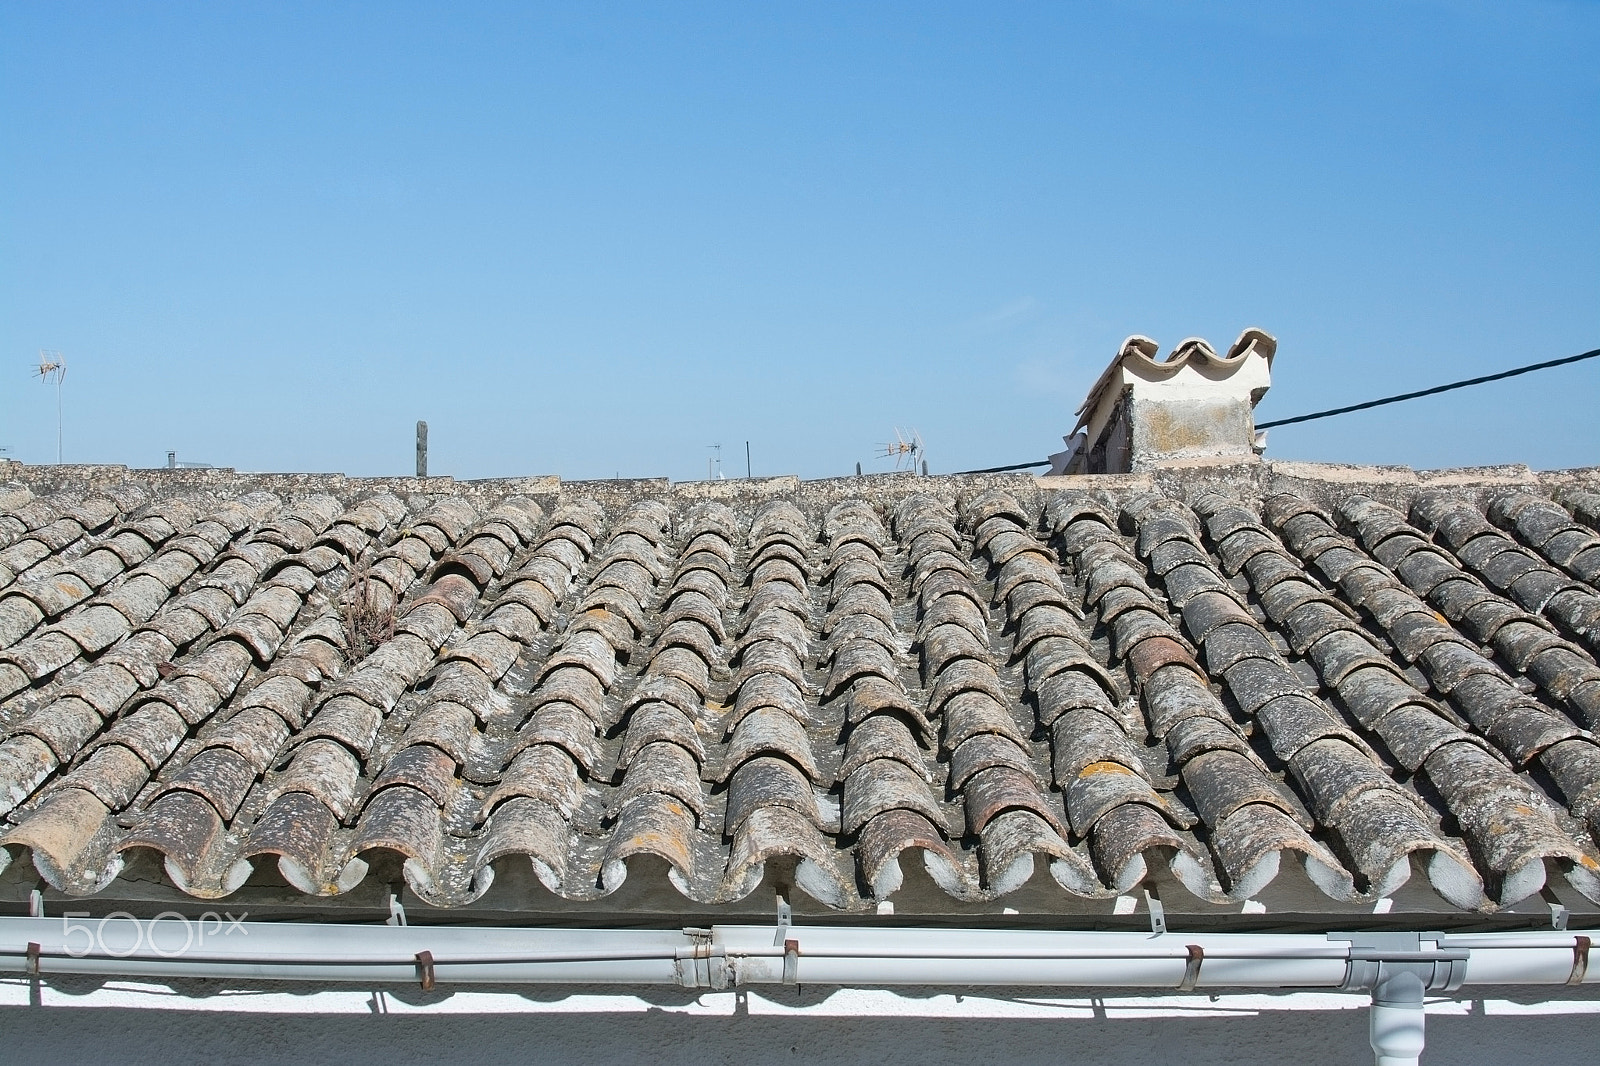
pixel 791 962
pixel 34 953
pixel 703 963
pixel 425 970
pixel 782 939
pixel 1191 968
pixel 1580 960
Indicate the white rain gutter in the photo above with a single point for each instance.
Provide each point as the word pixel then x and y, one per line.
pixel 1397 968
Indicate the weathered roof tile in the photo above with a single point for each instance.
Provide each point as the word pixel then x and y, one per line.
pixel 329 677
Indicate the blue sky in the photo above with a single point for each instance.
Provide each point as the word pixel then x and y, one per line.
pixel 592 240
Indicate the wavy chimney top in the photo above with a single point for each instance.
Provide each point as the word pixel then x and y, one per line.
pixel 1195 406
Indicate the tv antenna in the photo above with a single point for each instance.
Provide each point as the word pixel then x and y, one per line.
pixel 53 364
pixel 906 449
pixel 714 463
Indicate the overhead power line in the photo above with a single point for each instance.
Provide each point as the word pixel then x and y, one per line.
pixel 1591 354
pixel 1431 392
pixel 1003 469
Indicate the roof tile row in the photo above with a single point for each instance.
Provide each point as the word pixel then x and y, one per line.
pixel 1110 687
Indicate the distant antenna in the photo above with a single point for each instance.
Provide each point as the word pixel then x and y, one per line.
pixel 714 463
pixel 905 449
pixel 53 363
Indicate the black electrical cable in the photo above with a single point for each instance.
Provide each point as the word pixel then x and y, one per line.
pixel 1360 406
pixel 1430 392
pixel 1003 469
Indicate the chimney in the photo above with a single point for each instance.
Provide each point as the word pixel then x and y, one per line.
pixel 1194 406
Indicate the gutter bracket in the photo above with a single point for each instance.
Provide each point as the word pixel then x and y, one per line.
pixel 785 919
pixel 1559 915
pixel 397 913
pixel 36 904
pixel 1158 912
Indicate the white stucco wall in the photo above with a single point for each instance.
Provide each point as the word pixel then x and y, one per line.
pixel 121 1021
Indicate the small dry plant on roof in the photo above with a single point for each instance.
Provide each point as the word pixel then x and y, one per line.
pixel 367 610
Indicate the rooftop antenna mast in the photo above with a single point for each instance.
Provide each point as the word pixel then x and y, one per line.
pixel 906 449
pixel 53 364
pixel 714 463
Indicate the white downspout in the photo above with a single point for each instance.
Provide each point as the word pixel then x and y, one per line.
pixel 1397 1019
